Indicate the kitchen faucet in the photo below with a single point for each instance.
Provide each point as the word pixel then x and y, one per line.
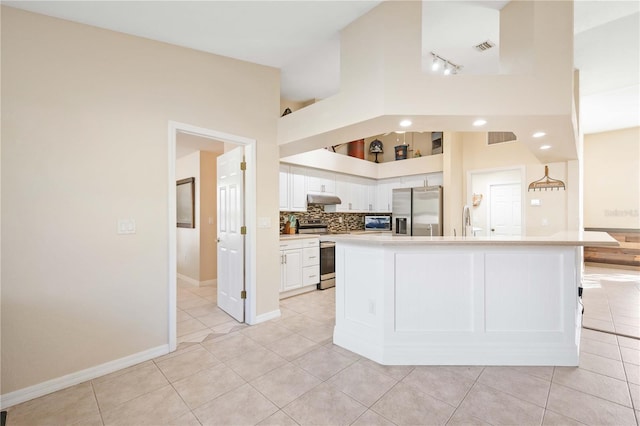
pixel 466 220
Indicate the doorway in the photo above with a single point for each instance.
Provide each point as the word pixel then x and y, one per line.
pixel 495 197
pixel 209 138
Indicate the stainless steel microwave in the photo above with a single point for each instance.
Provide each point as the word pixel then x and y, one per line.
pixel 377 223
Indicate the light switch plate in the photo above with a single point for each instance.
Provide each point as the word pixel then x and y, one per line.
pixel 264 222
pixel 535 202
pixel 126 226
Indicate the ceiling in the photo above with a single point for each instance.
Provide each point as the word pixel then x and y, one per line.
pixel 302 39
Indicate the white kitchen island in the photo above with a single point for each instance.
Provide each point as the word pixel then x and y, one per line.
pixel 461 301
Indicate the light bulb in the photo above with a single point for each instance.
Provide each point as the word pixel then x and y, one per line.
pixel 447 69
pixel 435 65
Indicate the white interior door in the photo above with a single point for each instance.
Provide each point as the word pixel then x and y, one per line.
pixel 230 190
pixel 506 210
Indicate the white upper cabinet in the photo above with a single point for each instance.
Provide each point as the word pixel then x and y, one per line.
pixel 413 181
pixel 358 195
pixel 284 187
pixel 321 181
pixel 384 190
pixel 293 196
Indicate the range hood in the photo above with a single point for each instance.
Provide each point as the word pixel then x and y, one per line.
pixel 325 199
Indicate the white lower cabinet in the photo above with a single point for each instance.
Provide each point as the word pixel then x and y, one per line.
pixel 291 269
pixel 299 263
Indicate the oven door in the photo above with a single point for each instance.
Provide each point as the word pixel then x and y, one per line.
pixel 327 264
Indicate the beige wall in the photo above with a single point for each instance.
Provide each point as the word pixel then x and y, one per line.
pixel 188 239
pixel 453 182
pixel 612 179
pixel 84 129
pixel 548 218
pixel 208 218
pixel 196 247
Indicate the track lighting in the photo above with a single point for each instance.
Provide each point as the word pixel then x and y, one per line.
pixel 449 67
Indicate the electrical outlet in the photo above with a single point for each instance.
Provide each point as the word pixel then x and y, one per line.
pixel 126 226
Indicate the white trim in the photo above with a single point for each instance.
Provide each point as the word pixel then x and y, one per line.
pixel 44 388
pixel 196 283
pixel 250 213
pixel 188 280
pixel 266 317
pixel 251 208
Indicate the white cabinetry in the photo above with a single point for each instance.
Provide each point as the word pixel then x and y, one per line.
pixel 311 262
pixel 299 263
pixel 357 194
pixel 321 181
pixel 293 196
pixel 384 191
pixel 414 181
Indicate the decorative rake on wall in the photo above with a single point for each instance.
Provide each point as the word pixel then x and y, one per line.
pixel 546 182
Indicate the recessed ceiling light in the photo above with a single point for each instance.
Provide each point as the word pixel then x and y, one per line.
pixel 405 123
pixel 479 122
pixel 539 134
pixel 545 147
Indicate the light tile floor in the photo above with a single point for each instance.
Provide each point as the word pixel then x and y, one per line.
pixel 287 372
pixel 612 300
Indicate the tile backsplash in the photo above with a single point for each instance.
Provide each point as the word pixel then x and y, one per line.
pixel 350 221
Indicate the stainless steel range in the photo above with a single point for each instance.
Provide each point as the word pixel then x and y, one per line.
pixel 327 251
pixel 327 265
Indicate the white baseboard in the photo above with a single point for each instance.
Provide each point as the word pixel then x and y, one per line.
pixel 195 282
pixel 44 388
pixel 188 280
pixel 266 317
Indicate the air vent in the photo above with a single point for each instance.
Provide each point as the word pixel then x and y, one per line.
pixel 485 45
pixel 500 137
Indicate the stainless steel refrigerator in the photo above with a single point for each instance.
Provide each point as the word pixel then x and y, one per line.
pixel 417 211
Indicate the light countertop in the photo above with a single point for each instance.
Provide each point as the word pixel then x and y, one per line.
pixel 567 238
pixel 296 236
pixel 328 237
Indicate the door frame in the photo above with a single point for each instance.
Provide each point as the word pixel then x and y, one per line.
pixel 250 207
pixel 523 178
